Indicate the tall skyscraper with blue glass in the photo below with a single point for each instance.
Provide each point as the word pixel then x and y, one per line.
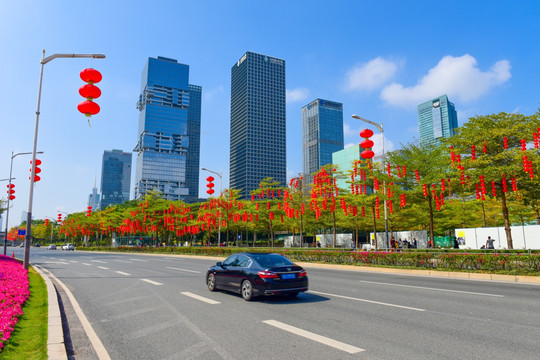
pixel 258 122
pixel 437 118
pixel 115 177
pixel 322 134
pixel 168 146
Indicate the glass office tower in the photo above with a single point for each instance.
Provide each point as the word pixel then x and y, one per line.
pixel 258 122
pixel 322 134
pixel 168 147
pixel 436 118
pixel 115 177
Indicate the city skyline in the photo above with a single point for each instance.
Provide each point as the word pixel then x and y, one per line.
pixel 381 77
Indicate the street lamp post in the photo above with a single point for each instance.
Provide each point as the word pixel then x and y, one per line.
pixel 381 129
pixel 44 60
pixel 8 199
pixel 220 192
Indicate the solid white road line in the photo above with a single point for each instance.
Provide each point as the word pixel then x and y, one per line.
pixel 434 289
pixel 122 273
pixel 368 301
pixel 103 267
pixel 206 300
pixel 180 269
pixel 315 337
pixel 152 282
pixel 96 343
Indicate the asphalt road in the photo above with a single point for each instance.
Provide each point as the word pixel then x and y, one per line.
pixel 158 307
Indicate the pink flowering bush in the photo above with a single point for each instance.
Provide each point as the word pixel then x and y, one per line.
pixel 14 291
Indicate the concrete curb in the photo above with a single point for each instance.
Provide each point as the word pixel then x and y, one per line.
pixel 56 349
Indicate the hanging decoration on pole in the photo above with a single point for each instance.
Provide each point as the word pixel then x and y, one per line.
pixel 89 211
pixel 367 144
pixel 90 92
pixel 37 170
pixel 59 217
pixel 210 185
pixel 11 191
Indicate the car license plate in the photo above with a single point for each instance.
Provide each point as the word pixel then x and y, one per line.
pixel 288 276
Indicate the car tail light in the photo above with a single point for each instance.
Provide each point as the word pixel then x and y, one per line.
pixel 302 274
pixel 268 275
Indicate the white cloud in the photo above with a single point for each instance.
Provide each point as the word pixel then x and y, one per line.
pixel 458 77
pixel 297 94
pixel 370 75
pixel 210 94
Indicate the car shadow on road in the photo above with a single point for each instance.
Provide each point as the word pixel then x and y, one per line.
pixel 300 299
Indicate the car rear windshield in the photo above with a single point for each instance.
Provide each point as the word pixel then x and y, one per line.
pixel 271 260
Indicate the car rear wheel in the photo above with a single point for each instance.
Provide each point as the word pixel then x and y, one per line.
pixel 247 290
pixel 211 282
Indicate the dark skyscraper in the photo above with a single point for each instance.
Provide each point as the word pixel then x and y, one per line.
pixel 115 177
pixel 168 147
pixel 258 122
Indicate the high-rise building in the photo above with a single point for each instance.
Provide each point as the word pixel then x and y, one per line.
pixel 322 134
pixel 258 122
pixel 437 118
pixel 168 147
pixel 93 198
pixel 115 177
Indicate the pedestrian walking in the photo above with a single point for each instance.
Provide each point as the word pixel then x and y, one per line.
pixel 489 243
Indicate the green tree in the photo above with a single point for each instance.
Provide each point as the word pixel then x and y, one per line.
pixel 495 163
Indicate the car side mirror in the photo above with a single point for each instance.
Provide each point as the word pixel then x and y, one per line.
pixel 220 264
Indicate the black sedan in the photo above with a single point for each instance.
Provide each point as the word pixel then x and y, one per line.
pixel 257 274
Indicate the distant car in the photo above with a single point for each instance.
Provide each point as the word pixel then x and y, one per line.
pixel 37 245
pixel 51 247
pixel 257 274
pixel 22 244
pixel 68 247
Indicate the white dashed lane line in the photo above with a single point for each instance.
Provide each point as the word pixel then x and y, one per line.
pixel 103 267
pixel 180 269
pixel 201 298
pixel 315 337
pixel 367 301
pixel 122 273
pixel 87 264
pixel 151 282
pixel 432 289
pixel 99 261
pixel 138 260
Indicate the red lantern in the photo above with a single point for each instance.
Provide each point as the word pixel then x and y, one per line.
pixel 88 108
pixel 11 191
pixel 523 144
pixel 89 211
pixel 367 154
pixel 91 76
pixel 473 152
pixel 367 143
pixel 505 143
pixel 366 133
pixel 90 91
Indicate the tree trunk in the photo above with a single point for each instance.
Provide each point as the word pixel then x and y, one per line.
pixel 374 226
pixel 537 216
pixel 431 231
pixel 506 221
pixel 334 221
pixel 484 213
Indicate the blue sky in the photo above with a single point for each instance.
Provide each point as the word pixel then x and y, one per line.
pixel 379 58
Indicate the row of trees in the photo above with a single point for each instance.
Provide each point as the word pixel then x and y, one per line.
pixel 486 175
